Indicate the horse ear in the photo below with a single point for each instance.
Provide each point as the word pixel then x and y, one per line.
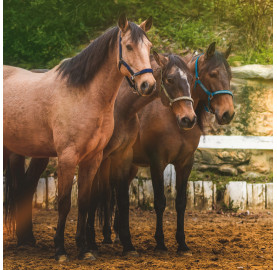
pixel 161 60
pixel 146 25
pixel 228 51
pixel 210 52
pixel 123 23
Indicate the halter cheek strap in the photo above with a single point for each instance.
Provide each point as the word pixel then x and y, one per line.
pixel 131 80
pixel 210 94
pixel 171 101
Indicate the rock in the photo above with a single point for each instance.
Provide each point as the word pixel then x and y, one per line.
pixel 228 169
pixel 250 175
pixel 241 169
pixel 253 72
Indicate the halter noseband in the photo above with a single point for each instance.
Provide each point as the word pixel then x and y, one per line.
pixel 133 74
pixel 210 94
pixel 171 101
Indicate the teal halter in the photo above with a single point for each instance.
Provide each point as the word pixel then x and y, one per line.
pixel 210 94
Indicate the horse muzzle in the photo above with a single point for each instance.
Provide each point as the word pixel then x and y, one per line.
pixel 225 119
pixel 185 123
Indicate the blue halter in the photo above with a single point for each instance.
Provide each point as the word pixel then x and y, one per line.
pixel 133 74
pixel 210 94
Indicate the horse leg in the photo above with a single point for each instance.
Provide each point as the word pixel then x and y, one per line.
pixel 67 163
pixel 157 169
pixel 122 191
pixel 182 175
pixel 24 225
pixel 133 173
pixel 90 232
pixel 86 174
pixel 106 199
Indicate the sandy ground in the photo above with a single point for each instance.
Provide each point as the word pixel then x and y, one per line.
pixel 217 241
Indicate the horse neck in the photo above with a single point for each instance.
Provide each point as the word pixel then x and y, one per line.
pixel 108 80
pixel 129 103
pixel 195 92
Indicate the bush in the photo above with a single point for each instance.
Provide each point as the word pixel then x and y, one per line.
pixel 40 33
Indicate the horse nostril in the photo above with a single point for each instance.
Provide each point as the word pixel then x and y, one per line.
pixel 226 117
pixel 185 121
pixel 144 86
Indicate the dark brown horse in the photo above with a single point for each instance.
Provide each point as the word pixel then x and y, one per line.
pixel 173 87
pixel 161 142
pixel 167 144
pixel 68 112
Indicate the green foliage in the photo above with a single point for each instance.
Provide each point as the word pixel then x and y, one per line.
pixel 40 33
pixel 229 208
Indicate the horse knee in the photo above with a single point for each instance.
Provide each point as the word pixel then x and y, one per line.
pixel 160 204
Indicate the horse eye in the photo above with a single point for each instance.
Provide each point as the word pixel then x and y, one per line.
pixel 170 80
pixel 213 74
pixel 129 47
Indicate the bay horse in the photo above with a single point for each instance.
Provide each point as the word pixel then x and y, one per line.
pixel 68 112
pixel 173 87
pixel 161 141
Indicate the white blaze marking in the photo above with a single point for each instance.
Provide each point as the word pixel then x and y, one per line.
pixel 184 77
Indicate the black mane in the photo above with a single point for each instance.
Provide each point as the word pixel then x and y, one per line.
pixel 216 60
pixel 82 68
pixel 175 60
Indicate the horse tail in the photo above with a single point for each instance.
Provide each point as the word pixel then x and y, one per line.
pixel 104 202
pixel 9 199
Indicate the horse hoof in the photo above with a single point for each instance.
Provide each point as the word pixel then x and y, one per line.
pixel 116 240
pixel 31 242
pixel 184 251
pixel 87 256
pixel 161 249
pixel 62 258
pixel 132 253
pixel 95 253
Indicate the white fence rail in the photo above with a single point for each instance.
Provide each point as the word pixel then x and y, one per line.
pixel 236 142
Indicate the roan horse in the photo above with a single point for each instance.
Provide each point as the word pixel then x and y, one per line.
pixel 173 87
pixel 118 152
pixel 161 141
pixel 68 112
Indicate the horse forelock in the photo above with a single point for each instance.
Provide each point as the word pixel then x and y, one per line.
pixel 175 60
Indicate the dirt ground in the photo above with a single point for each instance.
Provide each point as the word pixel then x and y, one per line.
pixel 217 241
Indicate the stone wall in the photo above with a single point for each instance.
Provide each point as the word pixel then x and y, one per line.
pixel 248 163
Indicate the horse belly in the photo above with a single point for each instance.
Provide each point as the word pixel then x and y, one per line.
pixel 33 143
